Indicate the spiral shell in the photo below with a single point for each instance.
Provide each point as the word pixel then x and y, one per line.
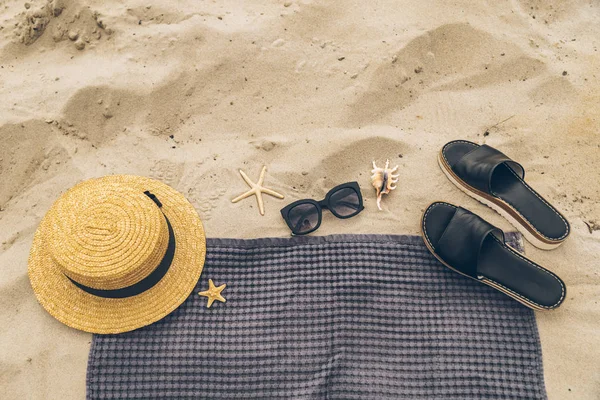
pixel 383 180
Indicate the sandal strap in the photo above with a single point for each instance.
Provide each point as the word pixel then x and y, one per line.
pixel 477 167
pixel 460 244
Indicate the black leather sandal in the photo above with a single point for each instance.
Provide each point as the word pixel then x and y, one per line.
pixel 469 245
pixel 491 177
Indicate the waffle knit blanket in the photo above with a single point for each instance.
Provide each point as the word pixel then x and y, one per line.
pixel 333 317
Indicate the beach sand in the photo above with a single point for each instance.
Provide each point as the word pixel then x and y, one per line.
pixel 189 92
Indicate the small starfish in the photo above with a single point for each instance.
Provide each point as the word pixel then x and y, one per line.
pixel 257 189
pixel 213 293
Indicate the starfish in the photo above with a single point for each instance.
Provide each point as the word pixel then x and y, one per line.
pixel 213 293
pixel 257 189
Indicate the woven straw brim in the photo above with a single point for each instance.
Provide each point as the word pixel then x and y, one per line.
pixel 81 310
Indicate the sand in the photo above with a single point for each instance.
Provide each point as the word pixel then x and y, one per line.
pixel 188 92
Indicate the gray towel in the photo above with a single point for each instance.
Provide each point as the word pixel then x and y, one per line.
pixel 334 317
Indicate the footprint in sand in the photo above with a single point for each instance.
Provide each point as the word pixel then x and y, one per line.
pixel 167 171
pixel 204 199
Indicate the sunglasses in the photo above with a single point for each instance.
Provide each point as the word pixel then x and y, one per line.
pixel 304 216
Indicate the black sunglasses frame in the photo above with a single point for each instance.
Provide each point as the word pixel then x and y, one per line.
pixel 323 204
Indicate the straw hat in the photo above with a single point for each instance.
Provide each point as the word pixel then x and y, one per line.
pixel 116 253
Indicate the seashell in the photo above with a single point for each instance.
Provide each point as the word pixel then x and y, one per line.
pixel 383 180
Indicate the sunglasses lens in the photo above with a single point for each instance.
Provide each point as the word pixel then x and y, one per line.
pixel 303 217
pixel 345 202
